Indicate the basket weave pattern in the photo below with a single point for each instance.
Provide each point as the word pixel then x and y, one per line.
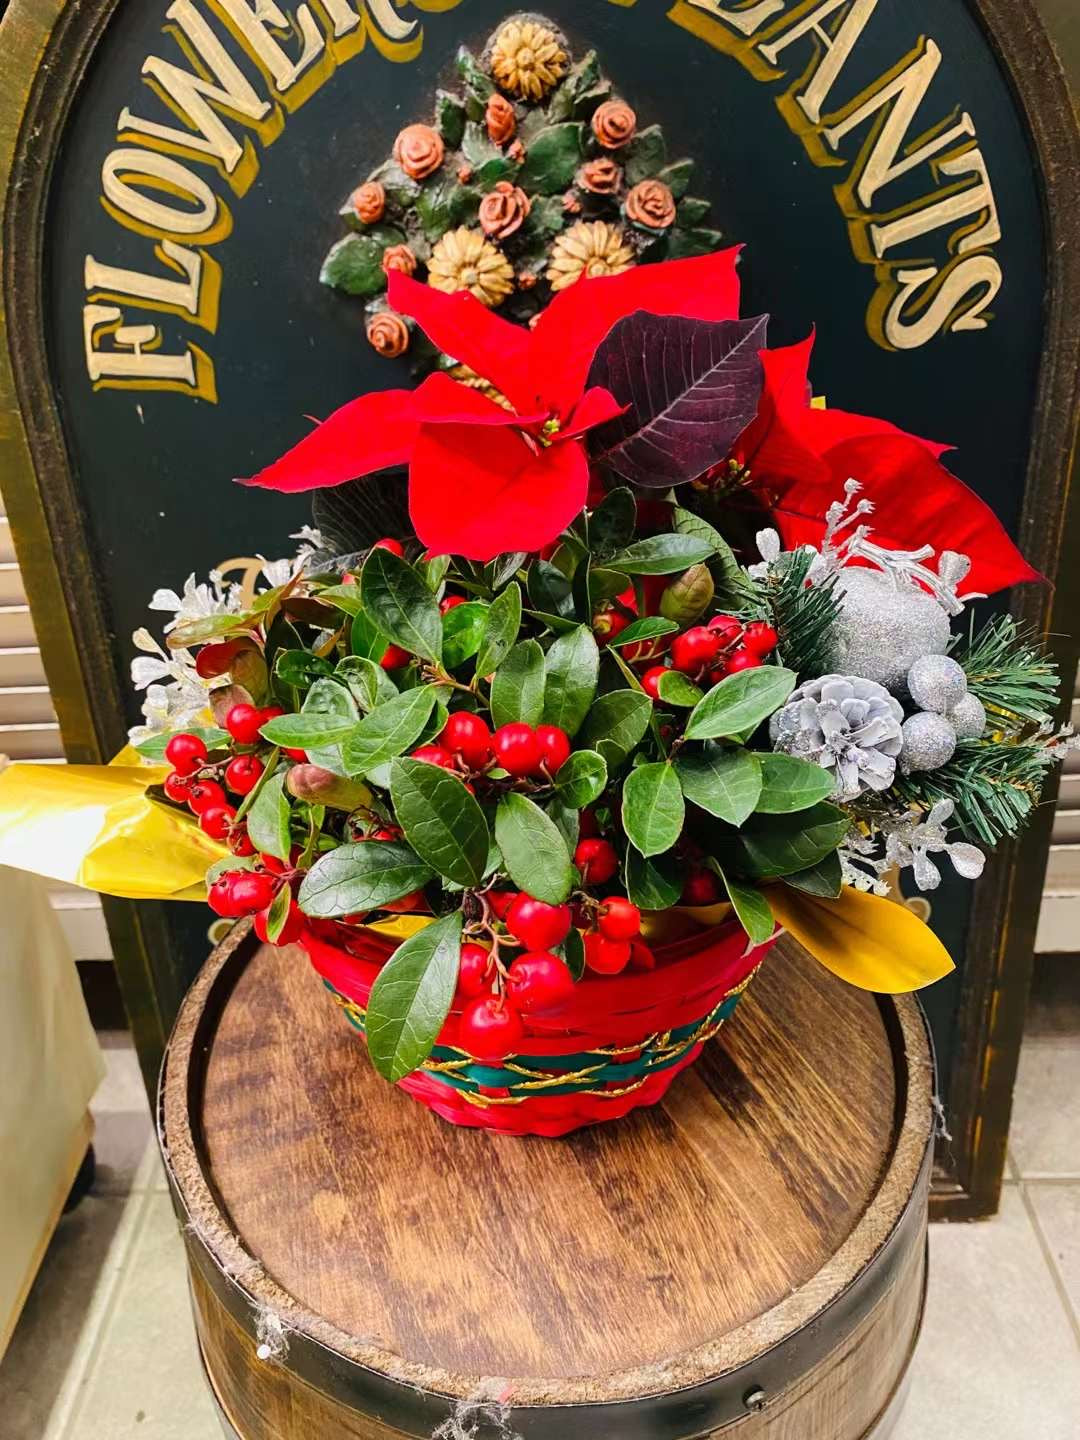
pixel 616 1046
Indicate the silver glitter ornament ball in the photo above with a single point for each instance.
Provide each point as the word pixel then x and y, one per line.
pixel 936 682
pixel 968 718
pixel 884 627
pixel 929 743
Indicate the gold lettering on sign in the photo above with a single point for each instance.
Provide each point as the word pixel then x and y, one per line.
pixel 917 298
pixel 157 182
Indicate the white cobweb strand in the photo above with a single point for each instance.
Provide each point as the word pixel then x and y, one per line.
pixel 477 1420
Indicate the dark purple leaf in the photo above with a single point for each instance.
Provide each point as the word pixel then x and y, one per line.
pixel 692 386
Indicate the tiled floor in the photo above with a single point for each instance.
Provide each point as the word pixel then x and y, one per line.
pixel 105 1349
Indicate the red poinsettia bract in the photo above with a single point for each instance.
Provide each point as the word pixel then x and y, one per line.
pixel 484 480
pixel 799 457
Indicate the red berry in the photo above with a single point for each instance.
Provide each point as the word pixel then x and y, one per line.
pixel 727 627
pixel 760 638
pixel 242 773
pixel 382 833
pixel 554 747
pixel 220 897
pixel 500 901
pixel 539 981
pixel 650 681
pixel 700 888
pixel 271 713
pixel 243 723
pixel 185 753
pixel 608 625
pixel 217 821
pixel 240 843
pixel 597 861
pixel 388 543
pixel 176 787
pixel 536 924
pixel 253 890
pixel 619 919
pixel 741 659
pixel 435 755
pixel 295 924
pixel 215 660
pixel 394 658
pixel 467 735
pixel 474 969
pixel 604 956
pixel 695 649
pixel 300 756
pixel 641 957
pixel 489 1029
pixel 450 602
pixel 273 864
pixel 517 749
pixel 203 794
pixel 588 826
pixel 407 904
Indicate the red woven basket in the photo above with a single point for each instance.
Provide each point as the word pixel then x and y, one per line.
pixel 616 1045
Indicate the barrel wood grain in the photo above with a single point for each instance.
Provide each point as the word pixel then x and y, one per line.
pixel 765 1223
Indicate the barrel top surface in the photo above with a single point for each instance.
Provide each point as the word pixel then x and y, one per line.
pixel 430 1251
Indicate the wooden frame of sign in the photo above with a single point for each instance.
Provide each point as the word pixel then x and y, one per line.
pixel 47 47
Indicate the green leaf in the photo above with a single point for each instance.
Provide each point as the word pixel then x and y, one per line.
pixel 388 730
pixel 676 177
pixel 503 568
pixel 652 808
pixel 207 627
pixel 566 820
pixel 676 689
pixel 773 846
pixel 230 862
pixel 463 629
pixel 722 781
pixel 552 159
pixel 343 597
pixel 401 189
pixel 534 850
pixel 733 586
pixel 444 203
pixel 442 822
pixel 450 118
pixel 581 79
pixel 611 524
pixel 572 951
pixel 665 554
pixel 268 819
pixel 549 589
pixel 649 627
pixel 354 264
pixel 355 878
pixel 581 779
pixel 752 908
pixel 646 155
pixel 411 998
pixel 825 879
pixel 478 147
pixel 299 668
pixel 397 600
pixel 683 243
pixel 501 630
pixel 366 639
pixel 617 723
pixel 300 732
pixel 435 570
pixel 278 913
pixel 154 747
pixel 789 784
pixel 740 702
pixel 517 692
pixel 652 884
pixel 329 700
pixel 476 79
pixel 368 683
pixel 571 670
pixel 693 210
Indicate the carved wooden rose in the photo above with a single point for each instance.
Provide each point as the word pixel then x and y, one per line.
pixel 388 334
pixel 369 202
pixel 501 120
pixel 419 151
pixel 399 257
pixel 614 124
pixel 602 177
pixel 503 210
pixel 652 205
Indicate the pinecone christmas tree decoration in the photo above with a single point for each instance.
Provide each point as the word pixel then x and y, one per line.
pixel 844 724
pixel 532 174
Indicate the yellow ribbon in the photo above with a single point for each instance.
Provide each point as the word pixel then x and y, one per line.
pixel 94 825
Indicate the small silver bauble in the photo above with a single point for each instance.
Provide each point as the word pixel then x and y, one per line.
pixel 884 627
pixel 968 718
pixel 929 743
pixel 936 682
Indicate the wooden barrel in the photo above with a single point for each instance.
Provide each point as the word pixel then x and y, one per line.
pixel 746 1259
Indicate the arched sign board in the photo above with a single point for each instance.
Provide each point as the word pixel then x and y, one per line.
pixel 903 176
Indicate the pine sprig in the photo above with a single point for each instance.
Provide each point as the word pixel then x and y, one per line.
pixel 1012 676
pixel 994 785
pixel 803 615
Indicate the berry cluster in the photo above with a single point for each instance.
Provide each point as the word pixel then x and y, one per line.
pixel 522 751
pixel 200 782
pixel 722 647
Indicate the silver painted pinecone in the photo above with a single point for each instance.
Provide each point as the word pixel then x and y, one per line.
pixel 845 724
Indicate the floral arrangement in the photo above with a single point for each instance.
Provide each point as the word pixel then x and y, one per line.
pixel 531 174
pixel 667 664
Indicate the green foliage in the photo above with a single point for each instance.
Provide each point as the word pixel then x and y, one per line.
pixel 534 849
pixel 400 604
pixel 269 817
pixel 1014 678
pixel 570 674
pixel 154 748
pixel 994 785
pixel 803 616
pixel 723 781
pixel 517 691
pixel 388 731
pixel 653 808
pixel 738 704
pixel 356 878
pixel 441 820
pixel 582 779
pixel 411 998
